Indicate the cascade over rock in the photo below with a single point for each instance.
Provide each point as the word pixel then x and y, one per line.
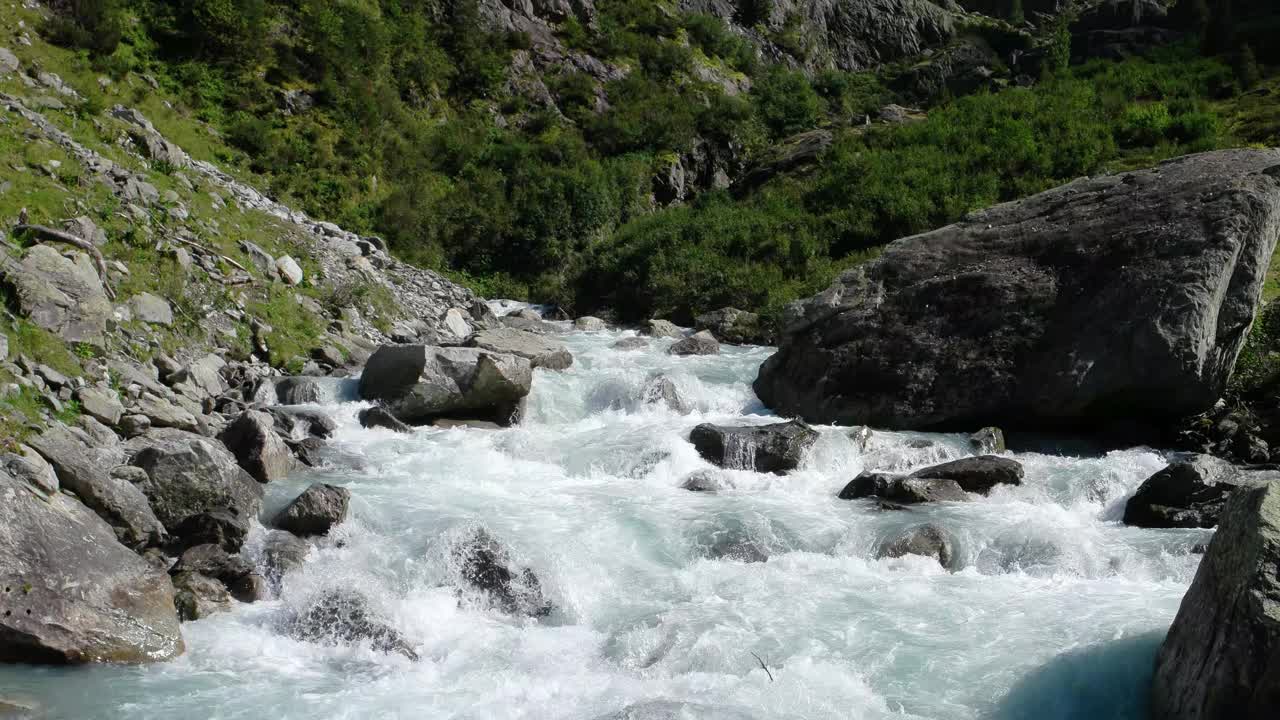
pixel 1124 297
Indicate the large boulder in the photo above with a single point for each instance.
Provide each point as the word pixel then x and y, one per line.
pixel 189 474
pixel 252 438
pixel 1124 297
pixel 774 448
pixel 72 594
pixel 976 474
pixel 700 343
pixel 661 329
pixel 903 489
pixel 1189 493
pixel 1221 658
pixel 62 296
pixel 419 383
pixel 540 351
pixel 233 571
pixel 315 511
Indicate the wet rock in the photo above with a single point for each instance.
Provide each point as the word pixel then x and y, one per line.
pixel 345 616
pixel 927 540
pixel 535 325
pixel 1221 658
pixel 100 403
pixel 741 548
pixel 661 390
pixel 702 343
pixel 775 448
pixel 487 567
pixel 418 383
pixel 1190 492
pixel 988 441
pixel 705 481
pixel 1123 297
pixel 379 417
pixel 282 553
pixel 976 474
pixel 630 343
pixel 232 571
pixel 734 326
pixel 661 329
pixel 295 423
pixel 861 436
pixel 308 451
pixel 315 511
pixel 189 474
pixel 906 490
pixel 223 528
pixel 541 352
pixel 62 296
pixel 252 438
pixel 151 309
pixel 196 596
pixel 590 324
pixel 473 424
pixel 71 593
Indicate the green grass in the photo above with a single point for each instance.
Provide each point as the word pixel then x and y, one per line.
pixel 41 346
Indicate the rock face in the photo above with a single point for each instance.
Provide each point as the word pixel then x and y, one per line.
pixel 189 474
pixel 1188 493
pixel 976 475
pixel 252 438
pixel 903 489
pixel 418 383
pixel 72 594
pixel 1221 659
pixel 539 351
pixel 702 343
pixel 62 296
pixel 773 448
pixel 1122 297
pixel 315 511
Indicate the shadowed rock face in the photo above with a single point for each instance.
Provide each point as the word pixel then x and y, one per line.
pixel 1221 659
pixel 1125 297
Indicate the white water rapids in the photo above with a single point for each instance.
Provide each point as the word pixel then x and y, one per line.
pixel 1056 613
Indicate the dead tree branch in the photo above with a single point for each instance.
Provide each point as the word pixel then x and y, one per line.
pixel 763 666
pixel 207 251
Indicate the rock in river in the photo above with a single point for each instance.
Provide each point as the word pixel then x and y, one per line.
pixel 1120 297
pixel 903 489
pixel 315 511
pixel 540 351
pixel 774 448
pixel 977 474
pixel 418 383
pixel 1190 492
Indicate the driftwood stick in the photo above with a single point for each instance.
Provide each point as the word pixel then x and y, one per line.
pixel 763 666
pixel 51 235
pixel 202 248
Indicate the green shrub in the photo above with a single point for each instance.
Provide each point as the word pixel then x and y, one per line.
pixel 786 102
pixel 95 25
pixel 1145 124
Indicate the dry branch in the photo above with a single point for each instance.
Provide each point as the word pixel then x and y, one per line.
pixel 763 666
pixel 207 251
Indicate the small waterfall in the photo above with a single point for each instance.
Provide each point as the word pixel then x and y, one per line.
pixel 740 450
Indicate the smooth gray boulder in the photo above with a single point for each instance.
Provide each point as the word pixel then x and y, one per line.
pixel 976 474
pixel 1221 658
pixel 100 403
pixel 587 323
pixel 927 540
pixel 71 593
pixel 62 296
pixel 1190 492
pixel 700 343
pixel 903 489
pixel 1124 297
pixel 189 474
pixel 252 438
pixel 661 329
pixel 151 309
pixel 25 464
pixel 775 448
pixel 540 351
pixel 164 414
pixel 315 511
pixel 419 383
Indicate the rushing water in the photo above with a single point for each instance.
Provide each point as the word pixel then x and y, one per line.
pixel 1056 613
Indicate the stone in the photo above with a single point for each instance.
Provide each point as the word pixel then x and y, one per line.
pixel 1123 297
pixel 201 379
pixel 24 464
pixel 734 326
pixel 282 553
pixel 8 62
pixel 234 572
pixel 661 390
pixel 988 441
pixel 189 474
pixel 315 511
pixel 57 294
pixel 455 321
pixel 661 329
pixel 1190 492
pixel 976 474
pixel 289 269
pixel 536 326
pixel 252 439
pixel 861 436
pixel 903 489
pixel 928 540
pixel 418 383
pixel 71 593
pixel 102 404
pixel 98 435
pixel 587 323
pixel 298 423
pixel 345 616
pixel 224 528
pixel 540 351
pixel 298 391
pixel 86 229
pixel 1221 658
pixel 447 423
pixel 196 596
pixel 96 477
pixel 308 451
pixel 380 417
pixel 775 448
pixel 486 567
pixel 4 347
pixel 705 481
pixel 132 426
pixel 163 414
pixel 259 258
pixel 701 343
pixel 151 309
pixel 792 154
pixel 630 343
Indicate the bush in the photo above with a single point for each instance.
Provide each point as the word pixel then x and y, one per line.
pixel 786 102
pixel 95 25
pixel 1145 124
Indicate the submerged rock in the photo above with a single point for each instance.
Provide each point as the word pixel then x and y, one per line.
pixel 344 616
pixel 540 351
pixel 661 390
pixel 486 566
pixel 70 592
pixel 1121 297
pixel 315 511
pixel 775 448
pixel 418 383
pixel 702 343
pixel 630 343
pixel 903 489
pixel 927 540
pixel 380 417
pixel 1221 658
pixel 976 475
pixel 1188 493
pixel 282 553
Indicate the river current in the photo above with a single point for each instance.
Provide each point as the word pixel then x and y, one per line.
pixel 1055 612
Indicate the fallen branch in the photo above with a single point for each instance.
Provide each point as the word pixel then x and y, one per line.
pixel 763 666
pixel 49 234
pixel 207 251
